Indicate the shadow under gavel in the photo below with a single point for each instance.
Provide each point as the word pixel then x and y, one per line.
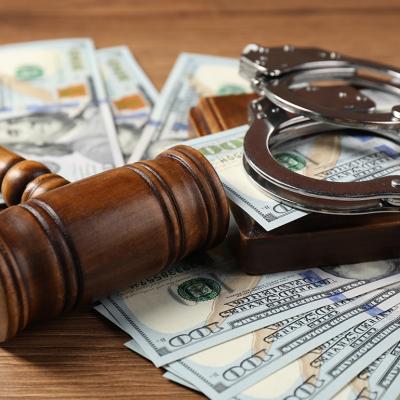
pixel 66 243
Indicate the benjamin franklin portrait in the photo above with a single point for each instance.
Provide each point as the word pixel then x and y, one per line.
pixel 56 133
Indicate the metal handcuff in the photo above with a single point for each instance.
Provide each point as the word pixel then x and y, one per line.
pixel 292 106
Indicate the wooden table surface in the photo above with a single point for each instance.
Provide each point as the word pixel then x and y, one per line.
pixel 80 356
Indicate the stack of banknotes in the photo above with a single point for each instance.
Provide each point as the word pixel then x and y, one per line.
pixel 307 334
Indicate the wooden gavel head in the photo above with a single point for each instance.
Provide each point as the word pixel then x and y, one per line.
pixel 68 243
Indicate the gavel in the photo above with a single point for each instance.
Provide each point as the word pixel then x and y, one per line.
pixel 62 243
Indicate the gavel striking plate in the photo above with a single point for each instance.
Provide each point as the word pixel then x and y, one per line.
pixel 296 103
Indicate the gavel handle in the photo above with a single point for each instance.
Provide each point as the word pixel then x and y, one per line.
pixel 22 179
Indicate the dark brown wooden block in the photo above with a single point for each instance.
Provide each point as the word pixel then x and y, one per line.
pixel 314 240
pixel 215 114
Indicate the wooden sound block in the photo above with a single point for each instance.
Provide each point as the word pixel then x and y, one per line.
pixel 215 114
pixel 315 240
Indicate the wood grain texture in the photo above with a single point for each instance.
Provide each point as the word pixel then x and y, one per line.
pixel 79 356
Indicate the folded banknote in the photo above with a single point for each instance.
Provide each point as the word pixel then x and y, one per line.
pixel 130 93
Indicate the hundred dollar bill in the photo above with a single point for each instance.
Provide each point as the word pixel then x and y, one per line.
pixel 364 385
pixel 53 107
pixel 229 368
pixel 334 157
pixel 361 386
pixel 380 380
pixel 369 384
pixel 107 314
pixel 387 376
pixel 192 76
pixel 130 92
pixel 322 372
pixel 359 355
pixel 175 378
pixel 225 152
pixel 132 345
pixel 205 300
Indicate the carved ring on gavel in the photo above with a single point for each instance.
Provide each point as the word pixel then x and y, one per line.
pixel 70 243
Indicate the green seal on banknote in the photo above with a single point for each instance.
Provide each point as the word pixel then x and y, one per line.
pixel 28 72
pixel 230 89
pixel 199 289
pixel 292 161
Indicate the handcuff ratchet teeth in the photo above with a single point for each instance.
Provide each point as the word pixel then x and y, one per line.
pixel 295 104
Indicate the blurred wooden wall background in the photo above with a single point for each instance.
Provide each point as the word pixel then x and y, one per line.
pixel 157 30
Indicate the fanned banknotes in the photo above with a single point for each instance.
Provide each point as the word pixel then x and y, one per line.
pixel 130 92
pixel 384 378
pixel 325 369
pixel 363 386
pixel 53 107
pixel 193 76
pixel 322 372
pixel 213 305
pixel 228 369
pixel 171 376
pixel 380 380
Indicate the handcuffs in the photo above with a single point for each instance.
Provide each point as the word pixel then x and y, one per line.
pixel 292 107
